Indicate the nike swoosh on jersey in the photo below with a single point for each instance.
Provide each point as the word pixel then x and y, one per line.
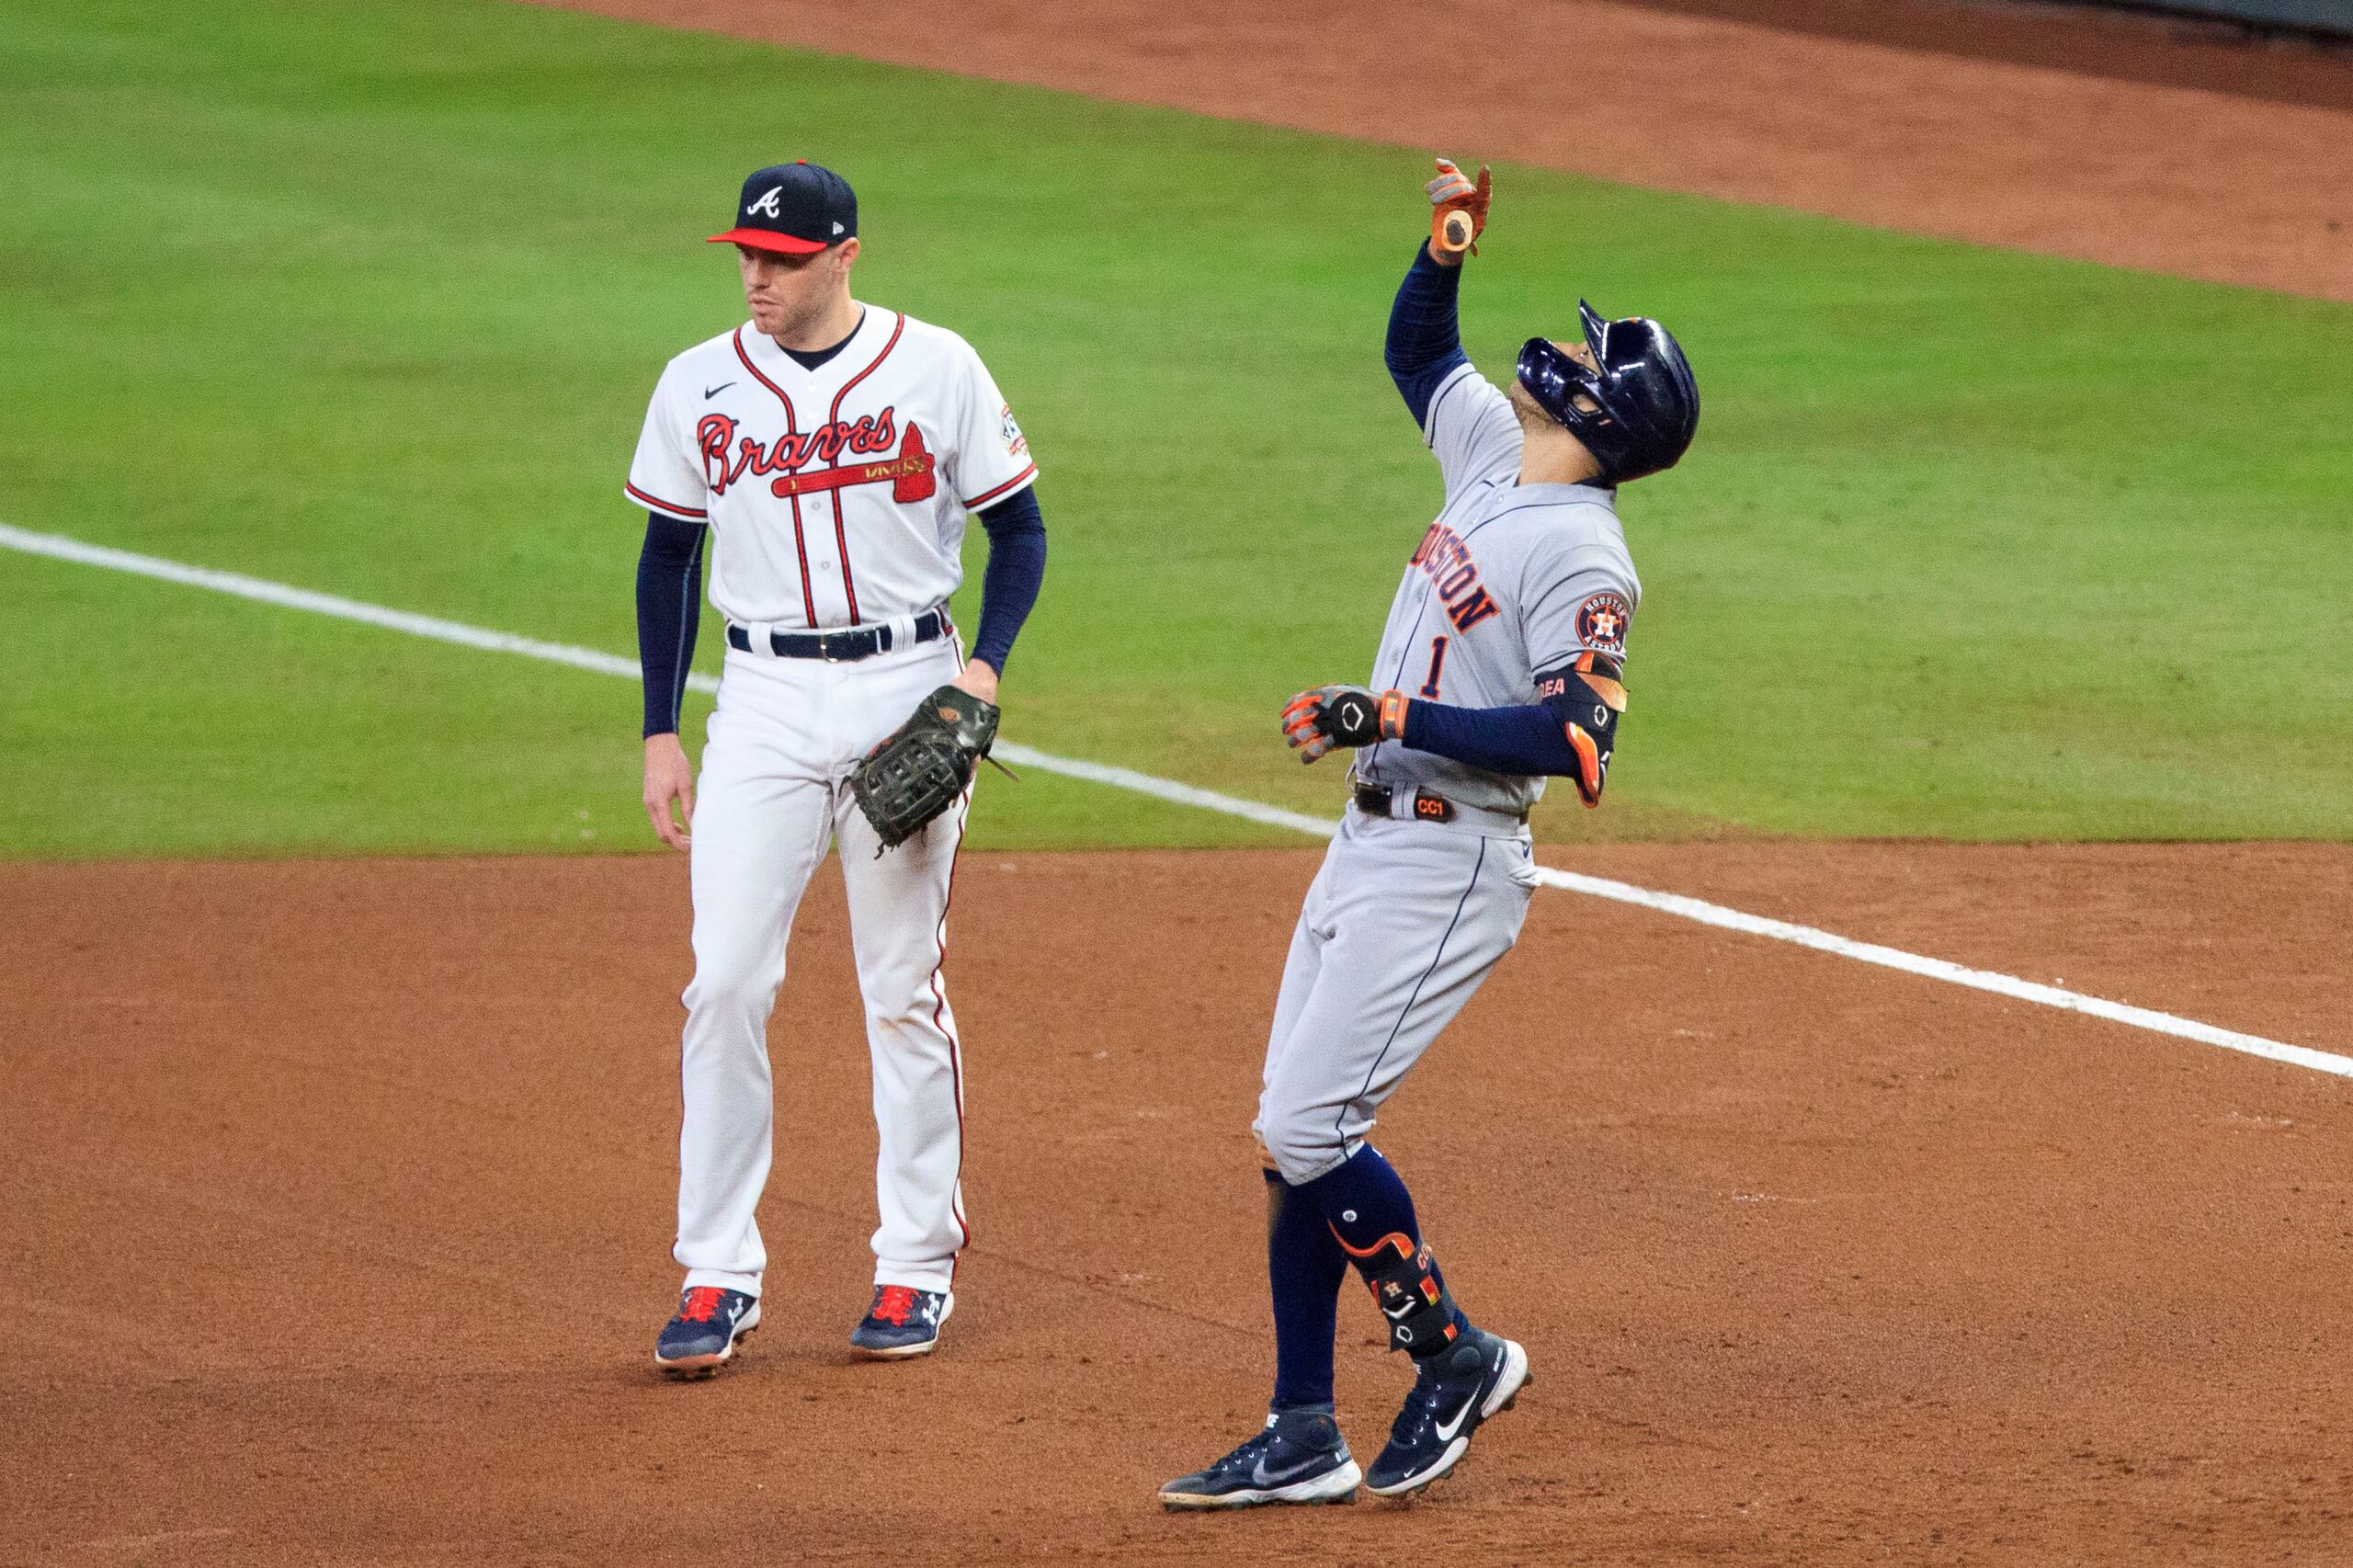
pixel 714 392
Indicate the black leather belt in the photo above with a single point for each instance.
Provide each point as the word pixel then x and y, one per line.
pixel 839 647
pixel 1381 800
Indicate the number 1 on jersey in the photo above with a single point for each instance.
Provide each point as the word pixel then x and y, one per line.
pixel 1437 663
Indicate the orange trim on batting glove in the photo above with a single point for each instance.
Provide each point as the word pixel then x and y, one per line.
pixel 1588 781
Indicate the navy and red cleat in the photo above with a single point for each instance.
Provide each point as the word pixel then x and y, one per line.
pixel 702 1336
pixel 903 1321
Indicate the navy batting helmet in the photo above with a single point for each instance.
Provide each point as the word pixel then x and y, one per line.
pixel 1647 403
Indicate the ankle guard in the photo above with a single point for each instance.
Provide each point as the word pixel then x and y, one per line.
pixel 1420 1310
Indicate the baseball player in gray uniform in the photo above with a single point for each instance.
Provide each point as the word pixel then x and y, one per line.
pixel 1501 665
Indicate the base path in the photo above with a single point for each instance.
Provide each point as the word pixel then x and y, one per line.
pixel 336 1199
pixel 2141 173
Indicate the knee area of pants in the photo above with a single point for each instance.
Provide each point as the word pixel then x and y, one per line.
pixel 730 990
pixel 1300 1150
pixel 916 1011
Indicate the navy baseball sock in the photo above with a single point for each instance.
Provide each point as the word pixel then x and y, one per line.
pixel 1366 1204
pixel 1304 1266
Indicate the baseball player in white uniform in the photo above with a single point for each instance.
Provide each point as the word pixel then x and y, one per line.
pixel 1500 666
pixel 834 452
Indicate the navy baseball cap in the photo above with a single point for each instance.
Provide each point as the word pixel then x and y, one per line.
pixel 798 209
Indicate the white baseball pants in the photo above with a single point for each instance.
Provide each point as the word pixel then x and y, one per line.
pixel 773 794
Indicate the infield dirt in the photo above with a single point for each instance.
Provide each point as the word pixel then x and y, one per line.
pixel 339 1194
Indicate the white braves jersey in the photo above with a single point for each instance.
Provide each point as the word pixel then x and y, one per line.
pixel 1511 581
pixel 836 496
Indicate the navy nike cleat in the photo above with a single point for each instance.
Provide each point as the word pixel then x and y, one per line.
pixel 1453 1392
pixel 1300 1457
pixel 903 1321
pixel 701 1338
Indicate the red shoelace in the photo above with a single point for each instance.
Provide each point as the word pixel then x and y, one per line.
pixel 895 1304
pixel 701 1303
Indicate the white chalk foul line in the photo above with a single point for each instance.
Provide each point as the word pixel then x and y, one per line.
pixel 1169 790
pixel 1941 969
pixel 63 548
pixel 244 587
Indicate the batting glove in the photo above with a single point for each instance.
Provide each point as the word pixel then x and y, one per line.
pixel 1325 717
pixel 1452 191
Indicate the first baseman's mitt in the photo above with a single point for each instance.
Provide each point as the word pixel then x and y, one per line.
pixel 921 766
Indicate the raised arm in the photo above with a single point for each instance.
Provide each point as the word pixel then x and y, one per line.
pixel 1422 347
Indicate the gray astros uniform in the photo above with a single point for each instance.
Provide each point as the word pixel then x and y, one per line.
pixel 1407 915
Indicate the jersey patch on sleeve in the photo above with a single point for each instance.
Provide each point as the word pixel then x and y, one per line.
pixel 1016 443
pixel 1602 620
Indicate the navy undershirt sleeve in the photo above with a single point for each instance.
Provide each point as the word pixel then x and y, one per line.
pixel 1423 346
pixel 669 610
pixel 1526 742
pixel 1016 568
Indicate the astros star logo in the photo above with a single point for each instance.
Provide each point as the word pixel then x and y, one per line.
pixel 1602 620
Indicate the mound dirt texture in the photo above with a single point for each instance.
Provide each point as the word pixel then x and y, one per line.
pixel 338 1195
pixel 2106 138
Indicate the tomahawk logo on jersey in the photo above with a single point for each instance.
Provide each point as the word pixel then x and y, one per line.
pixel 838 497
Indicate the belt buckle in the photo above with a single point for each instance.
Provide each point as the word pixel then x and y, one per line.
pixel 825 648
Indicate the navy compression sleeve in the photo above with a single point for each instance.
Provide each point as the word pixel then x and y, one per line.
pixel 1423 346
pixel 1016 568
pixel 1527 741
pixel 669 610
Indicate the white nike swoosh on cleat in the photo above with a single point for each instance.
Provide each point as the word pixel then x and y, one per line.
pixel 1447 1430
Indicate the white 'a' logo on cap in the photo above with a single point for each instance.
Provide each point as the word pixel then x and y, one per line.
pixel 838 228
pixel 766 204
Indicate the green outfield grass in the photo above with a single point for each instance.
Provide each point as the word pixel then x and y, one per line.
pixel 369 300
